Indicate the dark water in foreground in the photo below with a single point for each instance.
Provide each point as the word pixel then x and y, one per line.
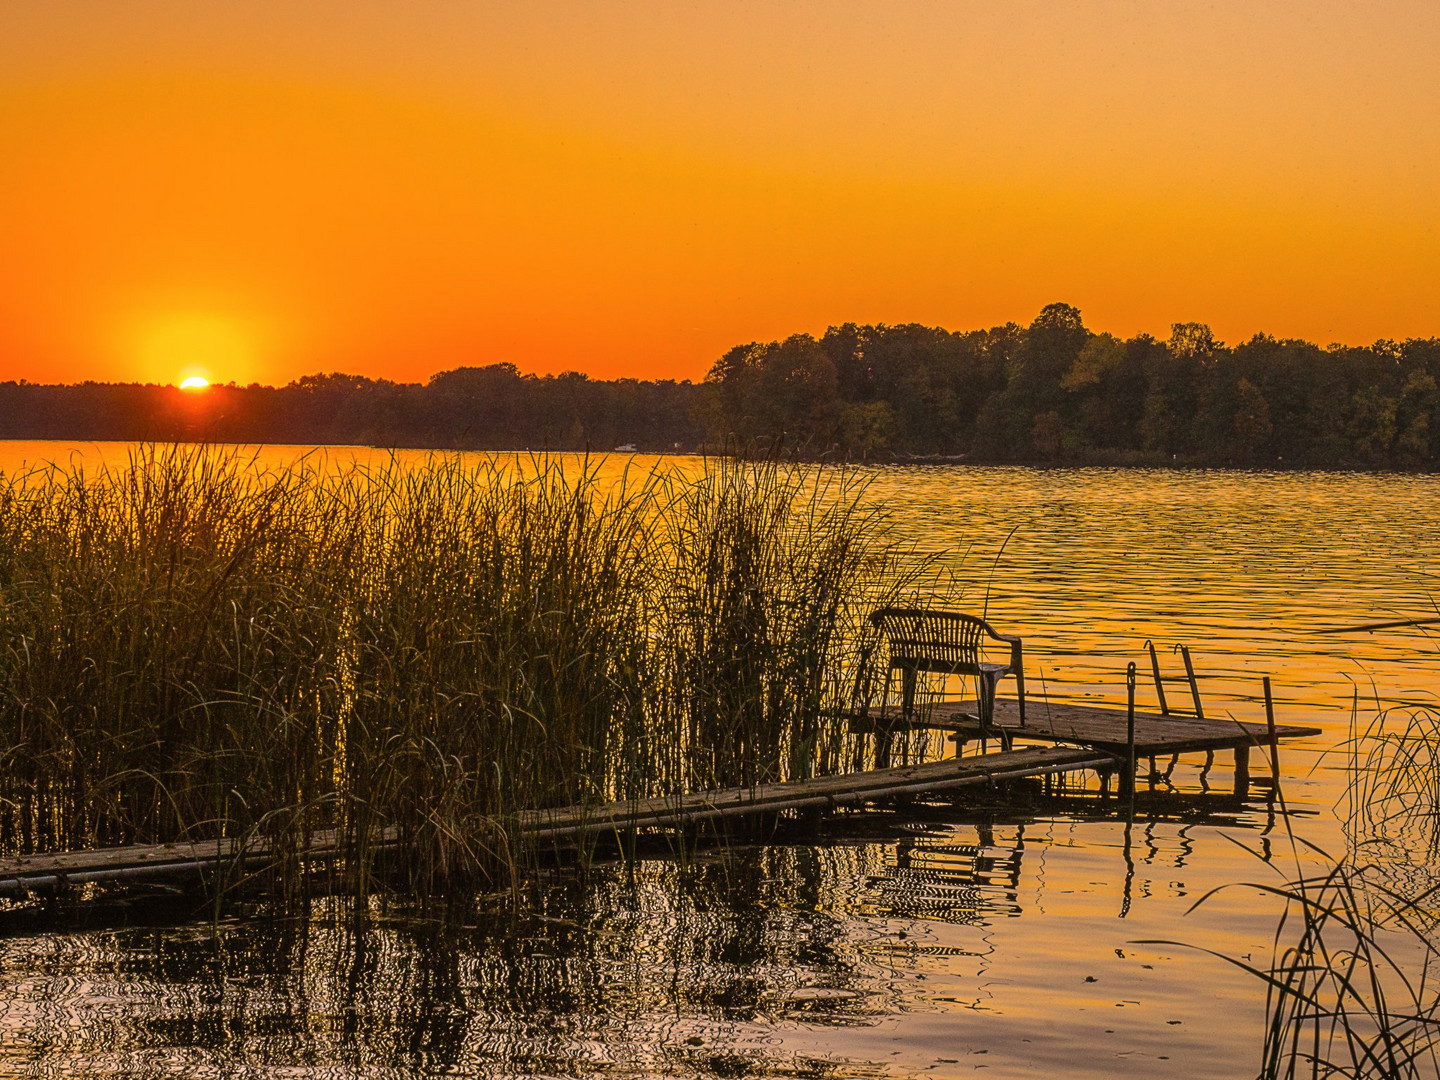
pixel 942 941
pixel 939 949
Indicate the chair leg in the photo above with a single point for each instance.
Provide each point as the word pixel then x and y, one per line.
pixel 1020 691
pixel 908 681
pixel 986 685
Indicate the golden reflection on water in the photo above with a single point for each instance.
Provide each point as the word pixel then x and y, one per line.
pixel 807 960
pixel 948 942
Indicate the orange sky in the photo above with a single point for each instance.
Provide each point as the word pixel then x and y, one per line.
pixel 266 189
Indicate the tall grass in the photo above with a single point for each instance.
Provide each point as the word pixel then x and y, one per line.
pixel 1351 985
pixel 193 645
pixel 1353 979
pixel 765 618
pixel 1391 805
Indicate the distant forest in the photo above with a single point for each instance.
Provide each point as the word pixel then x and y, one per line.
pixel 1052 392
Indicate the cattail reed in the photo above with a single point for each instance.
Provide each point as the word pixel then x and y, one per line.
pixel 193 645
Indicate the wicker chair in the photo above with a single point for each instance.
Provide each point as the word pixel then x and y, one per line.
pixel 949 643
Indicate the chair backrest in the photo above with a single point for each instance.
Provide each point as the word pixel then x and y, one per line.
pixel 941 641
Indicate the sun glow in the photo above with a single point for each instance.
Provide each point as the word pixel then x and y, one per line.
pixel 194 349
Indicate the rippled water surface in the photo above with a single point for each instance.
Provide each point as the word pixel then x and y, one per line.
pixel 938 941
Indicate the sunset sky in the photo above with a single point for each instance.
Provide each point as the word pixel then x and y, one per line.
pixel 257 190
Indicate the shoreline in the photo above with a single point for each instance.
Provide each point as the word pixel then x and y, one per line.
pixel 1136 462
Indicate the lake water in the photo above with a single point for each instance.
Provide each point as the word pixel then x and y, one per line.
pixel 934 941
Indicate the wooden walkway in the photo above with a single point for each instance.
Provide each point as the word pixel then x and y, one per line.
pixel 1106 729
pixel 1076 738
pixel 821 793
pixel 41 873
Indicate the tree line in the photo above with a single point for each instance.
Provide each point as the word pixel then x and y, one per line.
pixel 1051 392
pixel 1054 391
pixel 479 408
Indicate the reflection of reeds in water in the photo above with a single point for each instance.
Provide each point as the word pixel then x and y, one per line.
pixel 663 967
pixel 657 970
pixel 193 646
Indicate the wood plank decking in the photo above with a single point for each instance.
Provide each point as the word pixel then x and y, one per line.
pixel 1102 729
pixel 824 792
pixel 1079 736
pixel 171 861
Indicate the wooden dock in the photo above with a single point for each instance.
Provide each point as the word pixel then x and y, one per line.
pixel 820 793
pixel 1073 737
pixel 47 873
pixel 1105 729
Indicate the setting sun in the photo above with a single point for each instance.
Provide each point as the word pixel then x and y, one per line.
pixel 194 348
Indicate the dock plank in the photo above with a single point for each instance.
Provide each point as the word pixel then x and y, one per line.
pixel 830 791
pixel 1105 728
pixel 158 861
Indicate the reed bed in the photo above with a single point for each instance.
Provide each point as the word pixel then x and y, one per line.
pixel 193 646
pixel 1351 988
pixel 1353 979
pixel 1391 805
pixel 765 620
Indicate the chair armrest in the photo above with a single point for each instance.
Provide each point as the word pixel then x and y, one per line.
pixel 1013 642
pixel 1016 655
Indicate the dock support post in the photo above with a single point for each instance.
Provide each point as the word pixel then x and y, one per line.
pixel 1242 771
pixel 883 739
pixel 1127 778
pixel 1274 740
